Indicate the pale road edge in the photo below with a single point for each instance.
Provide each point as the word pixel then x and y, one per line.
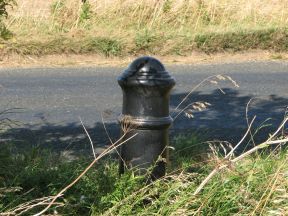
pixel 92 60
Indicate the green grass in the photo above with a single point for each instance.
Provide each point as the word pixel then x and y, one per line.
pixel 60 45
pixel 256 185
pixel 238 191
pixel 40 173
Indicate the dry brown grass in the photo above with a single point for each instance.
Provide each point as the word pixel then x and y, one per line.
pixel 221 11
pixel 32 8
pixel 162 27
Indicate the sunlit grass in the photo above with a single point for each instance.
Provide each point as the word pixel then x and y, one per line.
pixel 157 27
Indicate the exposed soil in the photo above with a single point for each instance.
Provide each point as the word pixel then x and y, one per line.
pixel 64 60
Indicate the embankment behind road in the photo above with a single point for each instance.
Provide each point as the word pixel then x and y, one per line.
pixel 127 28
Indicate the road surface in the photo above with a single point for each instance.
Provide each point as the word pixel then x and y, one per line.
pixel 52 100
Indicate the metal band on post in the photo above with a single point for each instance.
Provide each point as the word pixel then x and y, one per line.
pixel 146 89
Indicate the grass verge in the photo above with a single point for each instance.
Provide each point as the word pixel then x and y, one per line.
pixel 166 27
pixel 266 39
pixel 60 45
pixel 256 185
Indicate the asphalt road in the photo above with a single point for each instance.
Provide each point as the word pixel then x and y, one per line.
pixel 52 100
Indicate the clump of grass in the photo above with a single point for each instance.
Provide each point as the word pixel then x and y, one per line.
pixel 243 40
pixel 145 40
pixel 85 12
pixel 102 45
pixel 189 152
pixel 156 27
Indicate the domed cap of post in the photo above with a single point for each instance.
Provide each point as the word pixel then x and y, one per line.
pixel 146 71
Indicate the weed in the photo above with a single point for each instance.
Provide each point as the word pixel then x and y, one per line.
pixel 5 33
pixel 85 13
pixel 145 40
pixel 107 46
pixel 4 5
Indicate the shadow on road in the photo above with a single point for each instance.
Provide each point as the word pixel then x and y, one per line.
pixel 226 117
pixel 224 120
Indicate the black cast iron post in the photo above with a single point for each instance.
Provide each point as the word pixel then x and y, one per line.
pixel 146 89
